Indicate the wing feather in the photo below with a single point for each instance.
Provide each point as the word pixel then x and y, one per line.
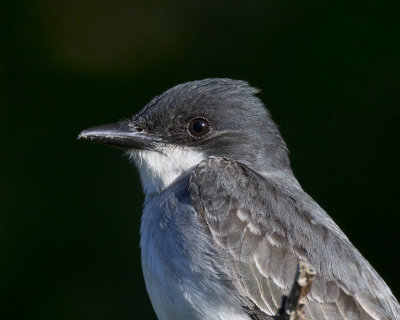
pixel 264 228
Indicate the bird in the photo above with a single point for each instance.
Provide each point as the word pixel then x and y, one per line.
pixel 225 222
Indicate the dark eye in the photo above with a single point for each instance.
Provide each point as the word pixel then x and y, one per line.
pixel 199 127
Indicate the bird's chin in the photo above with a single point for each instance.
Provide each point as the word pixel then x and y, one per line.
pixel 160 168
pixel 135 155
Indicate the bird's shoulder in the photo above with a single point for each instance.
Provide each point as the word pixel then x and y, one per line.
pixel 267 226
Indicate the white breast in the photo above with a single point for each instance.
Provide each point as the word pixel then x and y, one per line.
pixel 169 257
pixel 176 290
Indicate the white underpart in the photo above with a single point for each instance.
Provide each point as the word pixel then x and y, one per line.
pixel 158 169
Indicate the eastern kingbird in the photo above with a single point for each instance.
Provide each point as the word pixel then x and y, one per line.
pixel 225 221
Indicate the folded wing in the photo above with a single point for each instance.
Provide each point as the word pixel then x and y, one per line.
pixel 265 227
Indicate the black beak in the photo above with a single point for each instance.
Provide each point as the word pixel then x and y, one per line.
pixel 123 134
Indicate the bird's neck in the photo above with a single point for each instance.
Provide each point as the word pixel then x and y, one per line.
pixel 159 169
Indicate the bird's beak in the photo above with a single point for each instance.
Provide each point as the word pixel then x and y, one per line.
pixel 123 134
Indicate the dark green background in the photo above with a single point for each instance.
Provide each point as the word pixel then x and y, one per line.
pixel 70 210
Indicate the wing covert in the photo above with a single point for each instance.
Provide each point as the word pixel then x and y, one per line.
pixel 265 229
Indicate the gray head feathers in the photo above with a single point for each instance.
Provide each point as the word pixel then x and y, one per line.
pixel 242 128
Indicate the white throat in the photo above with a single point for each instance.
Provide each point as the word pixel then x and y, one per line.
pixel 158 169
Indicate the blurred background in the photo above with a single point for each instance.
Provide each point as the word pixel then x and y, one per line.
pixel 70 210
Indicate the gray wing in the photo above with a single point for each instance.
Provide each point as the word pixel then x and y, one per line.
pixel 264 228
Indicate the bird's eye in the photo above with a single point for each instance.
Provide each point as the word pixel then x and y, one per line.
pixel 199 127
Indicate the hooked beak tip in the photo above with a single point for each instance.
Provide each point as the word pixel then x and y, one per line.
pixel 83 135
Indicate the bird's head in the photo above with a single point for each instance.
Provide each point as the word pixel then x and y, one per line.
pixel 191 122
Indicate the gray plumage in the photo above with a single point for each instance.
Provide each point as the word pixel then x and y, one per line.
pixel 225 221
